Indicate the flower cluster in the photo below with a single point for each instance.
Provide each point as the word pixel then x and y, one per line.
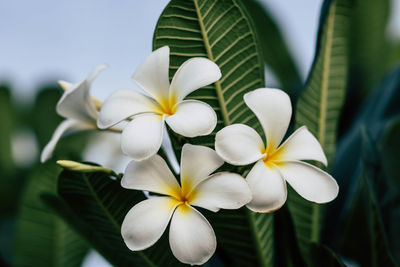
pixel 191 237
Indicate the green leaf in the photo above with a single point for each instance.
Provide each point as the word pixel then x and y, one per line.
pixel 274 49
pixel 371 54
pixel 390 151
pixel 319 108
pixel 96 208
pixel 324 256
pixel 10 183
pixel 287 249
pixel 7 118
pixel 365 238
pixel 42 238
pixel 223 32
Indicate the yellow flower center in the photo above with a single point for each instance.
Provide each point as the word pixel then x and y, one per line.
pixel 273 156
pixel 167 105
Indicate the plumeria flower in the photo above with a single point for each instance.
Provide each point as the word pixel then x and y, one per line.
pixel 143 135
pixel 78 107
pixel 191 237
pixel 240 144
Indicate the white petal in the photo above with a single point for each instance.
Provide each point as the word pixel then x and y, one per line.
pixel 193 118
pixel 145 223
pixel 123 104
pixel 191 236
pixel 302 145
pixel 193 74
pixel 152 74
pixel 222 190
pixel 65 127
pixel 142 137
pixel 239 144
pixel 273 109
pixel 268 188
pixel 197 163
pixel 76 102
pixel 151 175
pixel 96 72
pixel 310 182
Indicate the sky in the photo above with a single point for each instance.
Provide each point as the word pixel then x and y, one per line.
pixel 50 40
pixel 45 40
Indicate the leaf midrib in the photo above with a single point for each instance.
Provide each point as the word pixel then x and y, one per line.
pixel 110 217
pixel 226 119
pixel 210 55
pixel 323 109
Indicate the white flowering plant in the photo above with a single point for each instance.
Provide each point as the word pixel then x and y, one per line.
pixel 222 170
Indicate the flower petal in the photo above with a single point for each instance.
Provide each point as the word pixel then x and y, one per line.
pixel 151 175
pixel 273 109
pixel 193 74
pixel 310 182
pixel 302 145
pixel 145 223
pixel 123 104
pixel 193 118
pixel 76 102
pixel 239 144
pixel 152 74
pixel 223 190
pixel 65 127
pixel 268 188
pixel 197 163
pixel 191 236
pixel 142 137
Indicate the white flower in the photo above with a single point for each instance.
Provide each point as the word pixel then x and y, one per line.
pixel 191 237
pixel 142 137
pixel 79 109
pixel 239 144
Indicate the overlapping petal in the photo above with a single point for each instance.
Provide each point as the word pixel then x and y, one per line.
pixel 193 74
pixel 222 190
pixel 197 163
pixel 239 144
pixel 142 137
pixel 302 145
pixel 122 105
pixel 268 188
pixel 152 74
pixel 310 182
pixel 193 118
pixel 273 109
pixel 146 222
pixel 76 102
pixel 65 127
pixel 151 175
pixel 191 236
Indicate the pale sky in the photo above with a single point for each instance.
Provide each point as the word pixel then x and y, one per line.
pixel 48 40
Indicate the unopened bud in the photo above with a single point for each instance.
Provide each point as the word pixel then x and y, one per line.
pixel 81 167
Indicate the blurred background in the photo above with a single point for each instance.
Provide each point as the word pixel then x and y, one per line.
pixel 44 41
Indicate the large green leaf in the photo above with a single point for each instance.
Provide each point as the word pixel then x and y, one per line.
pixel 9 182
pixel 223 32
pixel 97 206
pixel 42 238
pixel 370 54
pixel 365 238
pixel 7 118
pixel 276 53
pixel 319 107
